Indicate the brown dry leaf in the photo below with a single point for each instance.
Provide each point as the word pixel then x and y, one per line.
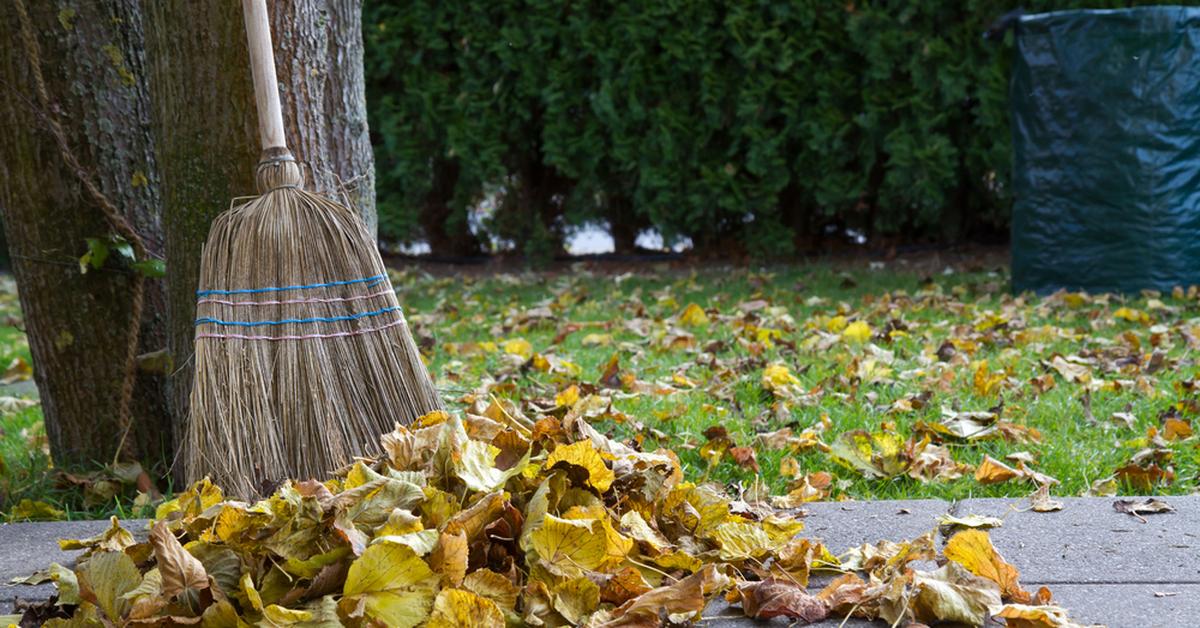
pixel 1145 478
pixel 179 569
pixel 450 555
pixel 1176 429
pixel 744 457
pixel 933 463
pixel 1151 506
pixel 1071 368
pixel 992 471
pixel 773 597
pixel 623 586
pixel 1040 500
pixel 844 594
pixel 679 602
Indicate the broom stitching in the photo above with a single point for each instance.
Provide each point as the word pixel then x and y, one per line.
pixel 296 301
pixel 341 334
pixel 286 321
pixel 370 281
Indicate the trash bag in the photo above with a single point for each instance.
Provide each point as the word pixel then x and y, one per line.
pixel 1106 143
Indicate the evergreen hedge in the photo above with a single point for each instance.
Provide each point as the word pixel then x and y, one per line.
pixel 761 125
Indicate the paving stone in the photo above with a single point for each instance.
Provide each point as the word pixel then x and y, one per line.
pixel 28 547
pixel 1090 542
pixel 842 525
pixel 1121 605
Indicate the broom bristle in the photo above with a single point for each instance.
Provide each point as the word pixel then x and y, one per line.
pixel 303 357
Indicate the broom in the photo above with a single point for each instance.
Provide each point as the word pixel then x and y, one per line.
pixel 302 354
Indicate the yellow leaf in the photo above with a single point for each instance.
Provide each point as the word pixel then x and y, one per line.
pixel 973 549
pixel 633 524
pixel 699 508
pixel 576 599
pixel 876 455
pixel 475 460
pixel 1132 315
pixel 836 324
pixel 777 376
pixel 114 539
pixel 693 316
pixel 568 546
pixel 391 584
pixel 106 578
pixel 986 383
pixel 597 340
pixel 857 332
pixel 277 615
pixel 30 510
pixel 567 397
pixel 678 560
pixel 198 497
pixel 1024 616
pixel 583 454
pixel 493 586
pixel 520 347
pixel 617 546
pixel 456 608
pixel 741 541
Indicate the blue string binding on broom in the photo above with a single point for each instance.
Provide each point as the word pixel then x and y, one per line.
pixel 370 281
pixel 329 319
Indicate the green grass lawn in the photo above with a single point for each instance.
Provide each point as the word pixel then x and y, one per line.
pixel 1140 352
pixel 932 346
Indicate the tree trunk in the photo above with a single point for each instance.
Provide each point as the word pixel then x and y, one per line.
pixel 319 59
pixel 206 125
pixel 94 63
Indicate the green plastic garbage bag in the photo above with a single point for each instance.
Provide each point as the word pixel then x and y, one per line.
pixel 1106 142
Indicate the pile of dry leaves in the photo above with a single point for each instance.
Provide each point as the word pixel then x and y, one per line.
pixel 497 520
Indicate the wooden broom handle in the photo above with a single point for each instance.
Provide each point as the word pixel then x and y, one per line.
pixel 262 66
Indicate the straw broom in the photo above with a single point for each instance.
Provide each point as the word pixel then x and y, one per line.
pixel 303 356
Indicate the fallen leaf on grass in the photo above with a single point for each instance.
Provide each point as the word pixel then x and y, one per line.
pixel 992 471
pixel 31 510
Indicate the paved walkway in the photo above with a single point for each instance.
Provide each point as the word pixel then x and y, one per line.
pixel 1104 566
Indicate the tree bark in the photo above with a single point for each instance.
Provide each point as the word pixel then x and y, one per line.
pixel 319 59
pixel 94 63
pixel 205 122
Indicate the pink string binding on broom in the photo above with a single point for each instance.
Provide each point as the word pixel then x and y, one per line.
pixel 340 334
pixel 293 301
